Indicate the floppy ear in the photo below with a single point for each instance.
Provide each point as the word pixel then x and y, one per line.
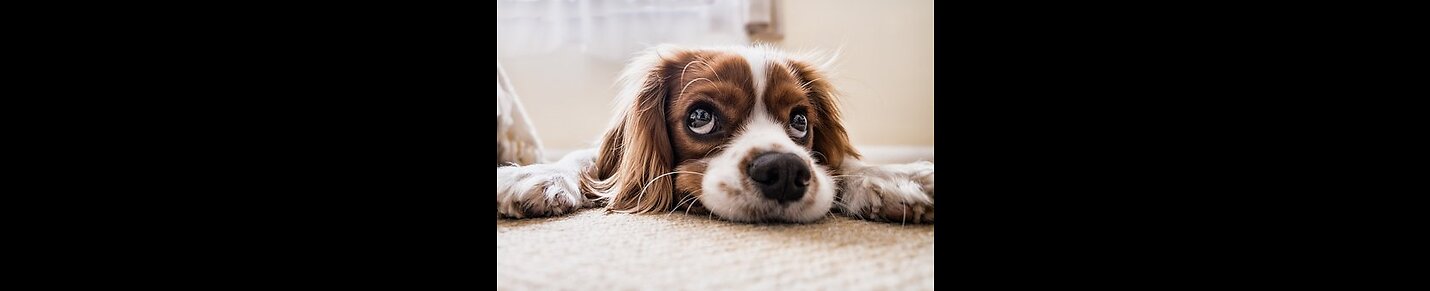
pixel 830 140
pixel 636 149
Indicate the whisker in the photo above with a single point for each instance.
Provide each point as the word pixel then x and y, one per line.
pixel 692 203
pixel 692 198
pixel 677 204
pixel 682 201
pixel 707 153
pixel 652 180
pixel 806 84
pixel 687 85
pixel 903 215
pixel 687 67
pixel 706 62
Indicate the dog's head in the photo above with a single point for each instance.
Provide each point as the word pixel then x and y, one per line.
pixel 747 133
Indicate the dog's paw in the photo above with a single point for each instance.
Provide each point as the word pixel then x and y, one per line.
pixel 538 191
pixel 894 193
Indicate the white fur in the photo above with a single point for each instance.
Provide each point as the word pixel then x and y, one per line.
pixel 758 69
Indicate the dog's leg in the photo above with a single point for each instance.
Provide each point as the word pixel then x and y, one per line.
pixel 894 193
pixel 544 189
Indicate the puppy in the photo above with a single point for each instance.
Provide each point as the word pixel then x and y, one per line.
pixel 748 134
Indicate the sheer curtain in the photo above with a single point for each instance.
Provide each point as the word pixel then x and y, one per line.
pixel 615 29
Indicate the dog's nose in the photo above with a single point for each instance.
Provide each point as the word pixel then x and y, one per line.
pixel 780 176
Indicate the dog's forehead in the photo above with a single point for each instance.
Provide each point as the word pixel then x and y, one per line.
pixel 769 68
pixel 723 76
pixel 775 84
pixel 755 70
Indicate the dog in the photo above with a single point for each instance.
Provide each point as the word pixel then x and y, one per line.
pixel 748 134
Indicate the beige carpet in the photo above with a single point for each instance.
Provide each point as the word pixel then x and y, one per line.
pixel 591 250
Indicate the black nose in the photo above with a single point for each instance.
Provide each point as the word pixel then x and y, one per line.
pixel 780 176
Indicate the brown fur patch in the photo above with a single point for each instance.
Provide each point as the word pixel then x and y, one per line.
pixel 687 185
pixel 826 131
pixel 714 80
pixel 785 96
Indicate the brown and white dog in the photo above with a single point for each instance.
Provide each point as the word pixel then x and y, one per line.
pixel 747 133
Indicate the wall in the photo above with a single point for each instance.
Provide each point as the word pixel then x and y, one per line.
pixel 885 71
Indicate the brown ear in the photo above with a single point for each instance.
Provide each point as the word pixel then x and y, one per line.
pixel 636 150
pixel 830 139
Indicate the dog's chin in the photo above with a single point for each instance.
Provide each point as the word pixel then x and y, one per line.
pixel 729 194
pixel 769 211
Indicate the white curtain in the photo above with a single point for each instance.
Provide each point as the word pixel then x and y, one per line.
pixel 615 29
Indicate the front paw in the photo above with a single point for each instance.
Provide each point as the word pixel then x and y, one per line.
pixel 894 193
pixel 538 191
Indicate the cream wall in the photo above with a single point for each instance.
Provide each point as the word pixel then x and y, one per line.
pixel 885 70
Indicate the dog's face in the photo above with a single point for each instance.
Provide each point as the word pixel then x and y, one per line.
pixel 748 133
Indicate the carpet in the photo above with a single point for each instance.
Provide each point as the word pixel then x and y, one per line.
pixel 593 250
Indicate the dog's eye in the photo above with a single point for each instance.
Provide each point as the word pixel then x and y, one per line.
pixel 701 121
pixel 798 126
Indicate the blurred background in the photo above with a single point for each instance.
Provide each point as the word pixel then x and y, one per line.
pixel 563 58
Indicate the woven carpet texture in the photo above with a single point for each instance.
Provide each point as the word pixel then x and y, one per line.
pixel 594 250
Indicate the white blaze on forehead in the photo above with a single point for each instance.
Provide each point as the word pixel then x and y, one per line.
pixel 757 60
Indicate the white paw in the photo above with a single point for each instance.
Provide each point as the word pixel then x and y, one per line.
pixel 538 191
pixel 894 193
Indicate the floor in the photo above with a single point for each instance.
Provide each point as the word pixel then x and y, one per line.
pixel 592 250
